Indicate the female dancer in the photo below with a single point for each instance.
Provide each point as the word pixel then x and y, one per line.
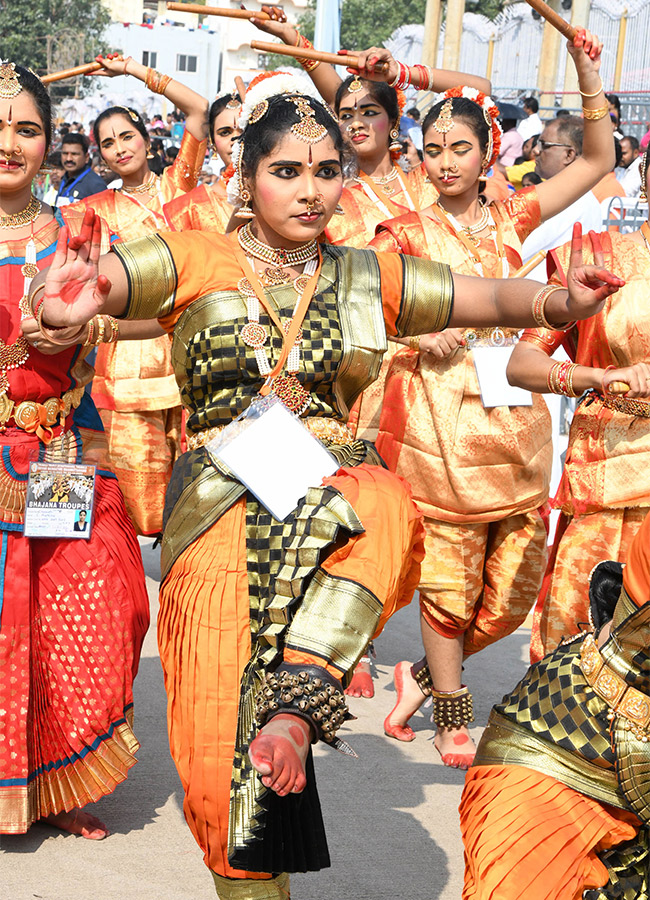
pixel 244 595
pixel 557 803
pixel 605 489
pixel 73 613
pixel 134 387
pixel 206 208
pixel 479 474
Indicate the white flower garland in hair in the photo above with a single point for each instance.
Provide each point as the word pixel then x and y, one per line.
pixel 280 83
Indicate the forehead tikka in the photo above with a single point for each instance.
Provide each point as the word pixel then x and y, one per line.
pixel 444 123
pixel 307 128
pixel 10 85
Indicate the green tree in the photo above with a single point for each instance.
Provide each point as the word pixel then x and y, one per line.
pixel 57 33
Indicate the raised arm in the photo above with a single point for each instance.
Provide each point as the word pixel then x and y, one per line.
pixel 598 154
pixel 188 101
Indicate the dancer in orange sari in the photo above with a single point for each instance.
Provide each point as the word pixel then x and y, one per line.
pixel 259 614
pixel 134 386
pixel 73 613
pixel 604 494
pixel 480 474
pixel 557 804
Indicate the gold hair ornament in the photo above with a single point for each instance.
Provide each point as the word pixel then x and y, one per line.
pixel 307 128
pixel 10 85
pixel 132 115
pixel 234 102
pixel 258 112
pixel 355 85
pixel 444 123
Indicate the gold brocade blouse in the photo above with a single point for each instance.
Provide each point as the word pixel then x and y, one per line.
pixel 465 463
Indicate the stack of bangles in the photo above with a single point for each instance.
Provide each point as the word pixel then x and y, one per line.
pixel 560 379
pixel 97 333
pixel 423 82
pixel 594 114
pixel 539 309
pixel 156 81
pixel 308 64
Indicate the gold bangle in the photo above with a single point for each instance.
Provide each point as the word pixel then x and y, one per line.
pixel 590 96
pixel 90 335
pixel 32 296
pixel 101 329
pixel 593 115
pixel 115 330
pixel 539 306
pixel 162 84
pixel 414 343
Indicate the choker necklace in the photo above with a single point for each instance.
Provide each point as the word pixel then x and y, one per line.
pixel 143 188
pixel 278 257
pixel 24 217
pixel 385 179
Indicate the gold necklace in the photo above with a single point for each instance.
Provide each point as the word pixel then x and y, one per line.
pixel 143 188
pixel 385 179
pixel 278 258
pixel 25 217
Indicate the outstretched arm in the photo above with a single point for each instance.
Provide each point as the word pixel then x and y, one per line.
pixel 188 101
pixel 598 156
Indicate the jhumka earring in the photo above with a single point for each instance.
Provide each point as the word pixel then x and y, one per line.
pixel 245 212
pixel 10 85
pixel 394 146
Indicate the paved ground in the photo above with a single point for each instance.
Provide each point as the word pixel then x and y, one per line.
pixel 391 814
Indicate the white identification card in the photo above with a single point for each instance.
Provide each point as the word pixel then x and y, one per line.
pixel 491 364
pixel 60 500
pixel 274 456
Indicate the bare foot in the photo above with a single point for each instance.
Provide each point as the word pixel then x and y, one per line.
pixel 456 747
pixel 361 684
pixel 79 822
pixel 279 752
pixel 409 699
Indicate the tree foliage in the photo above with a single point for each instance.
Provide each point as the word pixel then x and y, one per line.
pixel 60 32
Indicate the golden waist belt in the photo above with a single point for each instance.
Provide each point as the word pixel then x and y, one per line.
pixel 627 405
pixel 38 418
pixel 329 431
pixel 623 699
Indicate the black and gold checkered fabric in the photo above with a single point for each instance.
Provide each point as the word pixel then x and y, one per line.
pixel 629 871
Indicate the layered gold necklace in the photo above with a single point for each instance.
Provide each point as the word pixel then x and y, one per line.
pixel 145 188
pixel 24 217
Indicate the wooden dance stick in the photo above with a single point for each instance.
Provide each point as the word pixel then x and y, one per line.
pixel 532 263
pixel 217 11
pixel 86 69
pixel 241 87
pixel 333 59
pixel 618 387
pixel 553 18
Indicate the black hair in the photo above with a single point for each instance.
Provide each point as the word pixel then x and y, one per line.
pixel 126 111
pixel 619 152
pixel 385 96
pixel 531 178
pixel 171 152
pixel 468 112
pixel 261 137
pixel 604 590
pixel 571 130
pixel 73 137
pixel 218 106
pixel 508 124
pixel 634 142
pixel 614 100
pixel 414 113
pixel 562 113
pixel 531 104
pixel 38 92
pixel 54 159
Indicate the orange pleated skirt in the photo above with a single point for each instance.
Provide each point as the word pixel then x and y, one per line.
pixel 204 634
pixel 529 836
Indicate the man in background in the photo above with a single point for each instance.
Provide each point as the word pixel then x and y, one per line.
pixel 79 180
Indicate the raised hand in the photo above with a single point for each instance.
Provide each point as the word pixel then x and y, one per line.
pixel 74 291
pixel 368 60
pixel 113 64
pixel 586 50
pixel 277 25
pixel 589 286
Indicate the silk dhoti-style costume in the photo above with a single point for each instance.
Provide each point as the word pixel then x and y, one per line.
pixel 605 489
pixel 73 613
pixel 479 475
pixel 557 804
pixel 134 387
pixel 242 592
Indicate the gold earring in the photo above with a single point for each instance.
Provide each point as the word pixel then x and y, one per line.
pixel 394 146
pixel 245 212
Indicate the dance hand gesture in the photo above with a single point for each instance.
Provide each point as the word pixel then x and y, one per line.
pixel 113 64
pixel 74 290
pixel 277 25
pixel 586 51
pixel 588 286
pixel 368 60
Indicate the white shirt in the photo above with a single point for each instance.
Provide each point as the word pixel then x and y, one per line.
pixel 630 178
pixel 530 126
pixel 559 229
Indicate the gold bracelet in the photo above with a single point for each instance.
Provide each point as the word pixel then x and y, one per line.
pixel 590 96
pixel 593 115
pixel 32 297
pixel 115 330
pixel 539 306
pixel 414 343
pixel 91 334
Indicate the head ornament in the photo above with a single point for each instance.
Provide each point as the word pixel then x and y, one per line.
pixel 10 85
pixel 490 113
